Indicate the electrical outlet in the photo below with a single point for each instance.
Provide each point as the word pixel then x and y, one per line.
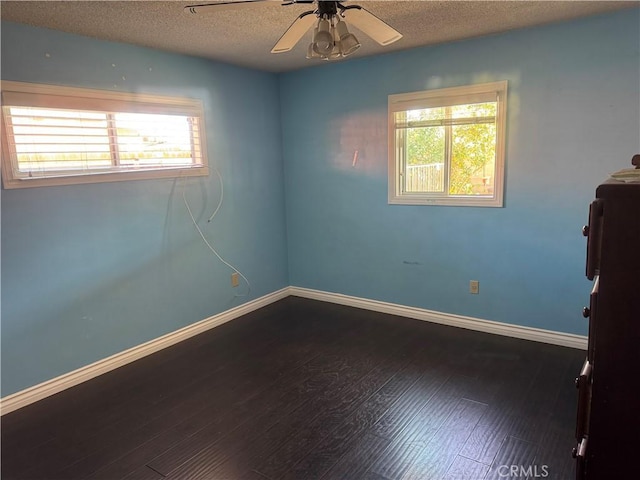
pixel 474 287
pixel 235 280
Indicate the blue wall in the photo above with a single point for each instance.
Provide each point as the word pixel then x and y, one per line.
pixel 573 117
pixel 91 270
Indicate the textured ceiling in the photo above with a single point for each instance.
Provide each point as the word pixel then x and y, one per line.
pixel 244 35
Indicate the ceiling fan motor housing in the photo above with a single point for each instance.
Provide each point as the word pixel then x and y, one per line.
pixel 327 9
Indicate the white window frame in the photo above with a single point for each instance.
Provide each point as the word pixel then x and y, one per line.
pixel 54 96
pixel 486 92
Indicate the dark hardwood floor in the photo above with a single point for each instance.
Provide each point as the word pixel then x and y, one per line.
pixel 306 390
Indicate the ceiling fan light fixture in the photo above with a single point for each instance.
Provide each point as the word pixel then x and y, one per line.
pixel 311 53
pixel 348 41
pixel 323 39
pixel 337 49
pixel 349 44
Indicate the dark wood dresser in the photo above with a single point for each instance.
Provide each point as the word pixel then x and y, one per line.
pixel 608 420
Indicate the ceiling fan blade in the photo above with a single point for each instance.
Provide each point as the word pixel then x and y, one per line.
pixel 216 6
pixel 368 23
pixel 295 32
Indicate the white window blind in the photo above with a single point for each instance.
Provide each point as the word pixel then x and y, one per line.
pixel 60 135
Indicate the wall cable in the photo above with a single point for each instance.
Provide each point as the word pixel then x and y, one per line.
pixel 204 239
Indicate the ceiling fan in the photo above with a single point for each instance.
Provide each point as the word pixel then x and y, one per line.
pixel 331 37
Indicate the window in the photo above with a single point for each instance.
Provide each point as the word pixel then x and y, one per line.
pixel 446 146
pixel 60 135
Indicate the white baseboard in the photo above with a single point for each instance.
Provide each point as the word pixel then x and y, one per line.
pixel 50 387
pixel 470 323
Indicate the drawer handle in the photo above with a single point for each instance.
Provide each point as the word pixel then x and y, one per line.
pixel 594 231
pixel 585 231
pixel 584 393
pixel 580 450
pixel 586 370
pixel 586 312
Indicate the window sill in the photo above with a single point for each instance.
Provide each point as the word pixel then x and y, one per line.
pixel 14 183
pixel 446 201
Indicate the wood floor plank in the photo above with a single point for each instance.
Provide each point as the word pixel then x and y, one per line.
pixel 394 462
pixel 337 442
pixel 531 420
pixel 513 460
pixel 143 473
pixel 466 469
pixel 408 444
pixel 251 475
pixel 441 450
pixel 511 393
pixel 355 463
pixel 397 418
pixel 554 452
pixel 369 475
pixel 486 438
